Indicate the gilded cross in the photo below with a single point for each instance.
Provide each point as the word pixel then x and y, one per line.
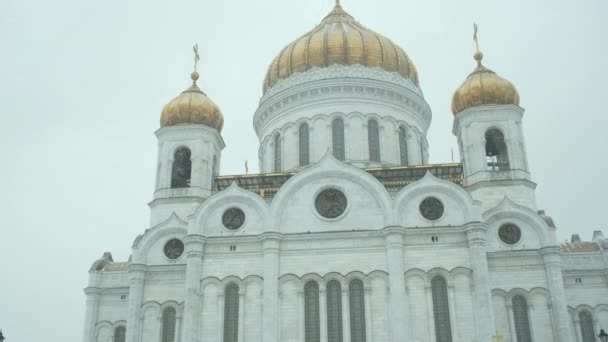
pixel 476 29
pixel 196 56
pixel 498 337
pixel 337 3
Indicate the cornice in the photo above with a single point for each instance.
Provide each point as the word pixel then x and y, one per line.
pixel 342 83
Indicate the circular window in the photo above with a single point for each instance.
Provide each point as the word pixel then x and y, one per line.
pixel 330 203
pixel 431 208
pixel 233 218
pixel 509 233
pixel 174 248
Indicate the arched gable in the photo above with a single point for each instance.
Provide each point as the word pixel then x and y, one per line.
pixel 369 204
pixel 535 233
pixel 148 249
pixel 207 220
pixel 459 207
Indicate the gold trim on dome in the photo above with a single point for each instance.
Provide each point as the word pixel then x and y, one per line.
pixel 483 87
pixel 192 106
pixel 339 39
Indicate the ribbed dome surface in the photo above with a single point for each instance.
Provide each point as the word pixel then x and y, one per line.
pixel 192 107
pixel 339 39
pixel 484 87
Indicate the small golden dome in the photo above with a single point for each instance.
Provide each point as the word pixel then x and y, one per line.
pixel 192 107
pixel 484 87
pixel 339 39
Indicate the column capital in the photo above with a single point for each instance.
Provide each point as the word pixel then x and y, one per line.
pixel 271 241
pixel 476 233
pixel 92 291
pixel 194 245
pixel 136 272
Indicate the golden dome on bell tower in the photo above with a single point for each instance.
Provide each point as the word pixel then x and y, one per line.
pixel 192 106
pixel 483 87
pixel 339 39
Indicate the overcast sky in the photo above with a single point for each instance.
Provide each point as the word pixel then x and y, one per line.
pixel 82 84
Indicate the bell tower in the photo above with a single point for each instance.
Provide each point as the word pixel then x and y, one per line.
pixel 488 126
pixel 189 152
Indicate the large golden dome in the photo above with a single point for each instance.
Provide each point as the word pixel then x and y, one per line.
pixel 484 87
pixel 192 106
pixel 339 39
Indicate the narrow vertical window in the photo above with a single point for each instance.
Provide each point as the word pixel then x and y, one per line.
pixel 337 138
pixel 357 311
pixel 214 172
pixel 520 316
pixel 304 145
pixel 373 139
pixel 168 333
pixel 587 330
pixel 496 151
pixel 421 151
pixel 231 313
pixel 119 334
pixel 182 168
pixel 441 309
pixel 334 311
pixel 403 145
pixel 311 312
pixel 277 153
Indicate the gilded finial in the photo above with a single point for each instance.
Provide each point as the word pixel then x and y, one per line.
pixel 197 58
pixel 478 55
pixel 337 3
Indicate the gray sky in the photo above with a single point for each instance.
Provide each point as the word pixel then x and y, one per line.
pixel 82 84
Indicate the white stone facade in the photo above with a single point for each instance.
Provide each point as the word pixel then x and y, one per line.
pixel 381 239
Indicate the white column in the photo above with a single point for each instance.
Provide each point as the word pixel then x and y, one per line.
pixel 532 318
pixel 368 315
pixel 394 258
pixel 323 313
pixel 577 327
pixel 301 315
pixel 513 333
pixel 91 314
pixel 553 269
pixel 241 331
pixel 453 313
pixel 136 294
pixel 194 269
pixel 271 244
pixel 345 315
pixel 178 328
pixel 429 311
pixel 484 321
pixel 221 297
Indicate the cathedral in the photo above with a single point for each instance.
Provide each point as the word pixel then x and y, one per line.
pixel 348 234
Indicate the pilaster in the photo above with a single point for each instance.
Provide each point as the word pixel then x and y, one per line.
pixel 394 258
pixel 137 274
pixel 194 247
pixel 552 259
pixel 91 314
pixel 271 245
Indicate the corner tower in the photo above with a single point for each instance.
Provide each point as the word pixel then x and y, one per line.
pixel 488 125
pixel 345 88
pixel 189 152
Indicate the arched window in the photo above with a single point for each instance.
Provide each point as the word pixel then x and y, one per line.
pixel 334 311
pixel 304 145
pixel 214 172
pixel 441 309
pixel 403 145
pixel 231 313
pixel 373 139
pixel 182 168
pixel 496 151
pixel 120 334
pixel 520 317
pixel 337 138
pixel 587 330
pixel 357 311
pixel 168 333
pixel 311 312
pixel 277 153
pixel 421 151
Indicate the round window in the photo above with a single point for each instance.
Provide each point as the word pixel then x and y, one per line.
pixel 330 203
pixel 431 208
pixel 174 248
pixel 233 218
pixel 509 233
